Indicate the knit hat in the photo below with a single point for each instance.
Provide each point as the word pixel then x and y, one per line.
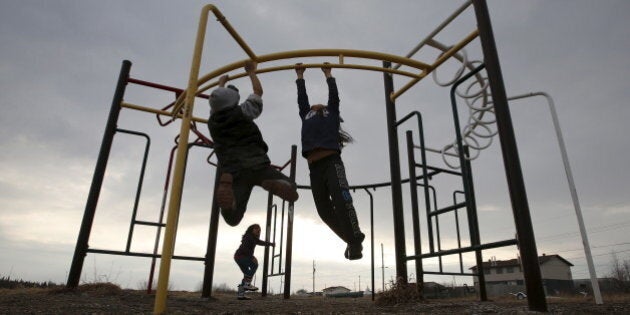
pixel 222 98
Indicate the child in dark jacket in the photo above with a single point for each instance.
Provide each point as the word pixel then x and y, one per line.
pixel 244 257
pixel 322 140
pixel 241 150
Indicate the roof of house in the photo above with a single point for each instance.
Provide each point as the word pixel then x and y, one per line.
pixel 335 288
pixel 515 262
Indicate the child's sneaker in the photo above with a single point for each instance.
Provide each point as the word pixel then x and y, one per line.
pixel 354 249
pixel 281 188
pixel 225 195
pixel 249 287
pixel 240 294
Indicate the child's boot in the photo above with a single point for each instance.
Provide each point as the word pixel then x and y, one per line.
pixel 354 249
pixel 281 188
pixel 225 195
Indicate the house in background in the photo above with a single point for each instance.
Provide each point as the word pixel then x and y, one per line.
pixel 506 276
pixel 334 290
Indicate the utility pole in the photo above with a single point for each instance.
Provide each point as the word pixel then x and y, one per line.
pixel 359 282
pixel 313 277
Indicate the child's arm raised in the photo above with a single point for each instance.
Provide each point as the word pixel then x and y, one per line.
pixel 250 68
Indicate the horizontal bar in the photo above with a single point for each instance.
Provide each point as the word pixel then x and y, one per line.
pixel 162 87
pixel 157 111
pixel 442 170
pixel 450 273
pixel 113 252
pixel 465 249
pixel 276 274
pixel 448 209
pixel 373 186
pixel 308 53
pixel 150 223
pixel 435 150
pixel 315 65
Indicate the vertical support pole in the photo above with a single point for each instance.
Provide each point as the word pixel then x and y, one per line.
pixel 211 251
pixel 287 265
pixel 267 238
pixel 524 229
pixel 394 169
pixel 172 218
pixel 413 191
pixel 81 248
pixel 136 202
pixel 471 206
pixel 158 231
pixel 371 237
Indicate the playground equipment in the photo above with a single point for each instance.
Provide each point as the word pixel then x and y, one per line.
pixel 466 140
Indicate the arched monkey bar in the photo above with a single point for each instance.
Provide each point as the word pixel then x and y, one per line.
pixel 425 68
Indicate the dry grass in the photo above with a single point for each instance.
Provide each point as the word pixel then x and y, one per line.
pixel 400 292
pixel 90 289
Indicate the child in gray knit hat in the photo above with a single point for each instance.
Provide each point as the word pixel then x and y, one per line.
pixel 241 150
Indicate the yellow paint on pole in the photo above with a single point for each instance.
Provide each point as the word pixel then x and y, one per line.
pixel 178 174
pixel 437 63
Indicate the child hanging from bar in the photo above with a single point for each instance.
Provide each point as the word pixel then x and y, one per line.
pixel 322 140
pixel 245 259
pixel 241 150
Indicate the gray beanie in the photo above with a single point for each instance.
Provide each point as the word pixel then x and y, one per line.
pixel 222 98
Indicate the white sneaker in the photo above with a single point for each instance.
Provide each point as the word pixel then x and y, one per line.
pixel 249 287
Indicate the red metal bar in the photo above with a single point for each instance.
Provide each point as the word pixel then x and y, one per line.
pixel 162 87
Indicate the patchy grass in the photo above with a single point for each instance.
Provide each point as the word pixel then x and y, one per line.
pixel 399 292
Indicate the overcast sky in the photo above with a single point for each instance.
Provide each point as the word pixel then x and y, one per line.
pixel 59 62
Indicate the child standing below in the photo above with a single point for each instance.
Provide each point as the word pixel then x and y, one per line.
pixel 244 257
pixel 322 140
pixel 241 150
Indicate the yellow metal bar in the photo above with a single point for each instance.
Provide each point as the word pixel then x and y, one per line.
pixel 233 32
pixel 179 102
pixel 158 111
pixel 168 247
pixel 313 65
pixel 317 53
pixel 228 27
pixel 448 54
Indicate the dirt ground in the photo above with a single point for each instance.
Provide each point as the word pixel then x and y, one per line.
pixel 117 301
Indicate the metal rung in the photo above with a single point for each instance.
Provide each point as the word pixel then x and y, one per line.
pixel 276 274
pixel 449 273
pixel 465 249
pixel 113 252
pixel 443 170
pixel 448 209
pixel 149 223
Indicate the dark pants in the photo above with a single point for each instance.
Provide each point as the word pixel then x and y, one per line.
pixel 244 182
pixel 248 266
pixel 332 197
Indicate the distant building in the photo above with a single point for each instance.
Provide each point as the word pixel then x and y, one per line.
pixel 433 290
pixel 334 290
pixel 506 276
